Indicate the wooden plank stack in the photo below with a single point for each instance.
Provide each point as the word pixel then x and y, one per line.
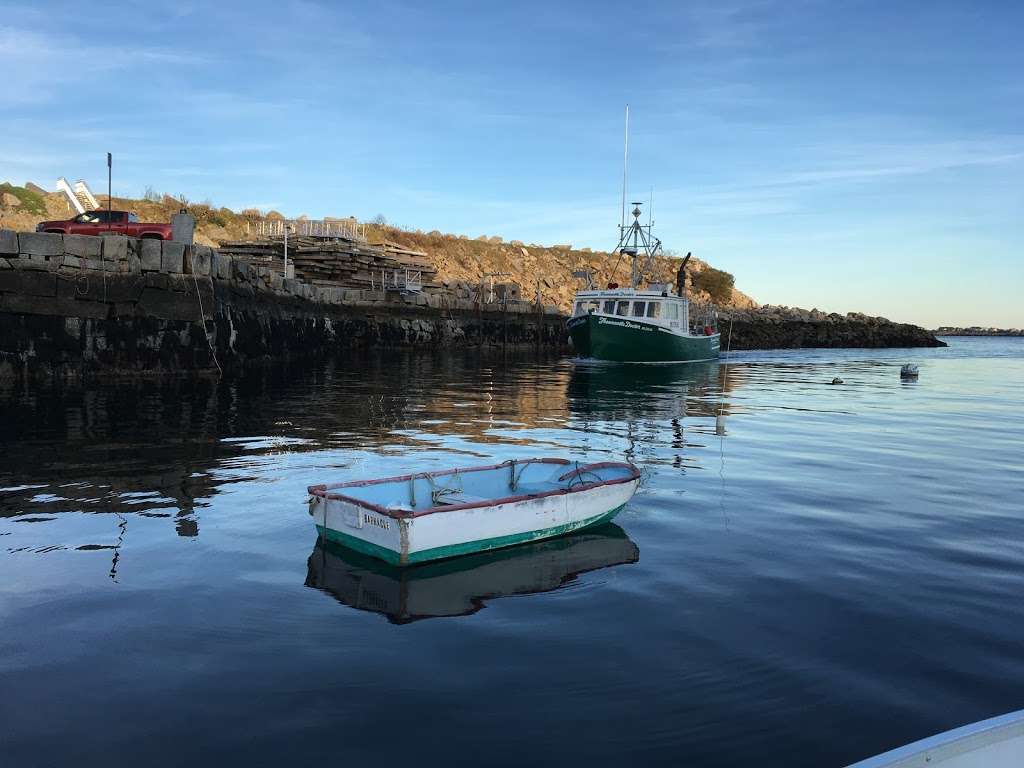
pixel 337 261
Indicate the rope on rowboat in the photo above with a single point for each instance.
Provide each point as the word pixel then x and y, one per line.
pixel 577 476
pixel 437 493
pixel 514 479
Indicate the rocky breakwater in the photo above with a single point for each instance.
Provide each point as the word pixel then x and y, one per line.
pixel 772 327
pixel 74 306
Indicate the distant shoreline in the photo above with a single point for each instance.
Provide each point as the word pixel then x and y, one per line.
pixel 1004 333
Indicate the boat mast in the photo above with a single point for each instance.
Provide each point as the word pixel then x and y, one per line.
pixel 625 170
pixel 640 234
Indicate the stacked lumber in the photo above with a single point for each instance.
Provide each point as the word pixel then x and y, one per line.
pixel 265 253
pixel 337 262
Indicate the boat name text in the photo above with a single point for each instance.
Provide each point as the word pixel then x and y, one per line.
pixel 624 324
pixel 379 522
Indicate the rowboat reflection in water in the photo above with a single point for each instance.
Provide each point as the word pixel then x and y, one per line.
pixel 461 586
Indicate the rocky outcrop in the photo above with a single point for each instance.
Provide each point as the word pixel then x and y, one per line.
pixel 976 330
pixel 771 327
pixel 537 268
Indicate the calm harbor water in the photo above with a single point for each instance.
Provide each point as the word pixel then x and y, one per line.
pixel 841 572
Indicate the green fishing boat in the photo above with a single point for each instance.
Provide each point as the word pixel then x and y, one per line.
pixel 652 324
pixel 655 324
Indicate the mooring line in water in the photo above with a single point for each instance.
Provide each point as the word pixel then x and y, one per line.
pixel 202 314
pixel 720 420
pixel 720 428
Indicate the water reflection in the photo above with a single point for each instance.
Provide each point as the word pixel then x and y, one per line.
pixel 84 462
pixel 650 407
pixel 630 392
pixel 463 585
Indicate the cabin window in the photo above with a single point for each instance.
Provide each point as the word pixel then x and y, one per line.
pixel 609 307
pixel 579 309
pixel 671 311
pixel 622 309
pixel 639 307
pixel 594 306
pixel 654 309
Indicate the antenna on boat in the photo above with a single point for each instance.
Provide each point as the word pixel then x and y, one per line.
pixel 625 170
pixel 650 211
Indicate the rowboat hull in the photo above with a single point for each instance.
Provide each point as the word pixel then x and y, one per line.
pixel 417 540
pixel 625 340
pixel 403 537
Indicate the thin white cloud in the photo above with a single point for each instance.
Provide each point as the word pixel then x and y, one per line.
pixel 39 65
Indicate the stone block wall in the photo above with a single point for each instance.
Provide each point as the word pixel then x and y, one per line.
pixel 76 305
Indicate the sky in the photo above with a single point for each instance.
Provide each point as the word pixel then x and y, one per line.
pixel 848 155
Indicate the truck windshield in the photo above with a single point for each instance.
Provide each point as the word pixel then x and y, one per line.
pixel 100 217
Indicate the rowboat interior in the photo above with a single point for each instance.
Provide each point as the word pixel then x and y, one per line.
pixel 479 486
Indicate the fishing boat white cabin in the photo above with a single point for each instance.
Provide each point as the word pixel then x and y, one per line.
pixel 433 515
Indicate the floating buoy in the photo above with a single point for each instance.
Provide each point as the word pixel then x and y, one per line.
pixel 908 371
pixel 836 380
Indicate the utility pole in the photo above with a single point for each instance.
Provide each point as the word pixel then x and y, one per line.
pixel 110 164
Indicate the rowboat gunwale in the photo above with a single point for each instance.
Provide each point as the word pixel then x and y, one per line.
pixel 324 490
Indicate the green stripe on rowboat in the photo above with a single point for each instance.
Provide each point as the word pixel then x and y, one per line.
pixel 465 548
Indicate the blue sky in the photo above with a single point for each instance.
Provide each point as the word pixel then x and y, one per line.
pixel 843 155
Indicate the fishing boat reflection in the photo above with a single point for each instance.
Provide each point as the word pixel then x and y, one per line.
pixel 616 391
pixel 461 586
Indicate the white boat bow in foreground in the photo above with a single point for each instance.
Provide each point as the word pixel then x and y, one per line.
pixel 994 743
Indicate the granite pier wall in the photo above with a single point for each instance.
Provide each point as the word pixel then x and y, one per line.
pixel 74 306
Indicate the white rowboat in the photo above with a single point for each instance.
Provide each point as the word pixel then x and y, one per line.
pixel 433 515
pixel 994 743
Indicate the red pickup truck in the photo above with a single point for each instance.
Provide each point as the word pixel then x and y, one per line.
pixel 104 222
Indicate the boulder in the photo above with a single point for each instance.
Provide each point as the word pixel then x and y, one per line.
pixel 197 260
pixel 30 283
pixel 115 247
pixel 41 243
pixel 82 245
pixel 7 200
pixel 172 257
pixel 241 270
pixel 149 255
pixel 220 267
pixel 8 242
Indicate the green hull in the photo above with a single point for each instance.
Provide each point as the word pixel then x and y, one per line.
pixel 464 548
pixel 627 340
